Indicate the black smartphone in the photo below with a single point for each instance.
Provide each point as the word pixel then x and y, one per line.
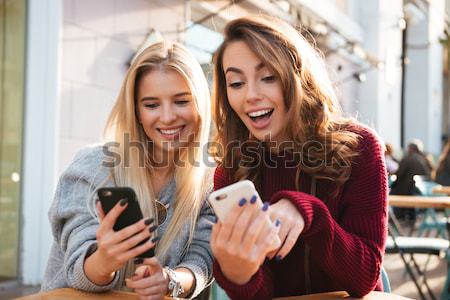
pixel 109 196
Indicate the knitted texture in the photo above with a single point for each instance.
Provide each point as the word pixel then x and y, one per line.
pixel 74 229
pixel 346 233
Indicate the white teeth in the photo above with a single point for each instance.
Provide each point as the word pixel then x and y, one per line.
pixel 170 131
pixel 259 113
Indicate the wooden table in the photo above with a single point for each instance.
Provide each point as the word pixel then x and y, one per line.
pixel 344 295
pixel 419 201
pixel 71 294
pixel 441 190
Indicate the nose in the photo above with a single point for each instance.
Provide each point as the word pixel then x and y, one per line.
pixel 168 114
pixel 253 93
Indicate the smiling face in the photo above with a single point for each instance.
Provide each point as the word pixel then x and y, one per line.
pixel 166 108
pixel 254 93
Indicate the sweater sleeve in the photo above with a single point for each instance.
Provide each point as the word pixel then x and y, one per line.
pixel 198 258
pixel 260 285
pixel 350 249
pixel 73 223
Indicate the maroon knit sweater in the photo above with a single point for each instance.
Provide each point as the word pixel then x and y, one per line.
pixel 345 234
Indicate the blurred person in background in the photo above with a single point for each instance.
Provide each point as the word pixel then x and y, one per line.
pixel 163 111
pixel 443 170
pixel 415 162
pixel 324 175
pixel 391 162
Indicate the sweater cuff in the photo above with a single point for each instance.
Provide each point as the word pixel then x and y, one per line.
pixel 201 279
pixel 236 291
pixel 305 204
pixel 81 281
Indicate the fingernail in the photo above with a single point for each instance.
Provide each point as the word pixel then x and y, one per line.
pixel 155 239
pixel 214 220
pixel 242 202
pixel 97 201
pixel 149 221
pixel 253 199
pixel 278 257
pixel 153 228
pixel 277 223
pixel 123 202
pixel 265 206
pixel 138 261
pixel 147 272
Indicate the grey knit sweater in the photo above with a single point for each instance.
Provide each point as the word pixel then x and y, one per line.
pixel 74 227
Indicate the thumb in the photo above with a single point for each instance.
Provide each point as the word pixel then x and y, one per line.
pixel 140 273
pixel 153 265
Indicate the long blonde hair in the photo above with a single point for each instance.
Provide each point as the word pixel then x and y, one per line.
pixel 313 110
pixel 192 181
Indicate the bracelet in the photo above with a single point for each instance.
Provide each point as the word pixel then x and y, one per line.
pixel 174 288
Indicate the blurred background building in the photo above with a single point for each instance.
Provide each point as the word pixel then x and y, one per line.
pixel 62 63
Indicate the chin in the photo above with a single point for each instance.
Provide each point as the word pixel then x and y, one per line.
pixel 262 137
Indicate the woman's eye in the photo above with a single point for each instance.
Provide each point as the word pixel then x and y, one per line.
pixel 236 84
pixel 270 78
pixel 151 105
pixel 181 102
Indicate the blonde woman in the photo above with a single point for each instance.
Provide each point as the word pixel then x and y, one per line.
pixel 323 175
pixel 158 130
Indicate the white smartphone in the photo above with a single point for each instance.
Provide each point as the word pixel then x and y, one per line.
pixel 225 198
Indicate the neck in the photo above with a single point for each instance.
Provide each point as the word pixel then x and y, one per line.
pixel 163 172
pixel 160 177
pixel 277 147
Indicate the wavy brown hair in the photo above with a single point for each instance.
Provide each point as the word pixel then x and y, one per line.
pixel 316 127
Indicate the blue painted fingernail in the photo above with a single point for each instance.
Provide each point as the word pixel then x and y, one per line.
pixel 123 201
pixel 253 199
pixel 242 202
pixel 265 206
pixel 278 257
pixel 277 223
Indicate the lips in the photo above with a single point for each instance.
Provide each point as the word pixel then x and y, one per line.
pixel 259 113
pixel 260 118
pixel 171 133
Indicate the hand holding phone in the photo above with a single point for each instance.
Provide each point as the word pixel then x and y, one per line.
pixel 122 235
pixel 110 197
pixel 245 225
pixel 225 198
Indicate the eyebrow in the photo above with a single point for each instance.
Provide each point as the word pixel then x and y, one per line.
pixel 174 96
pixel 239 71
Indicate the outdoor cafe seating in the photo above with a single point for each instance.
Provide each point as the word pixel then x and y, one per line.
pixel 432 211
